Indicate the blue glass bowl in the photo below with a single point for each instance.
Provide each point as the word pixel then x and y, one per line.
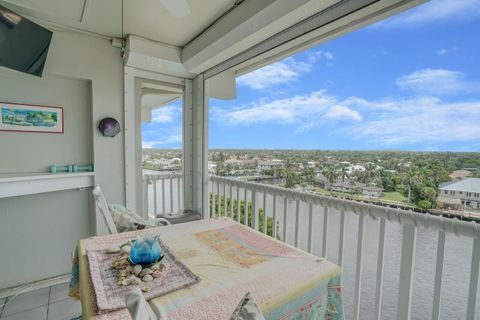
pixel 145 251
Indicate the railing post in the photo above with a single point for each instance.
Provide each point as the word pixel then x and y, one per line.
pixel 379 281
pixel 238 204
pixel 310 227
pixel 472 290
pixel 274 222
pixel 325 231
pixel 224 199
pixel 297 224
pixel 341 237
pixel 155 198
pixel 406 272
pixel 437 293
pixel 231 202
pixel 254 211
pixel 245 207
pixel 163 196
pixel 264 213
pixel 171 195
pixel 218 205
pixel 285 211
pixel 358 269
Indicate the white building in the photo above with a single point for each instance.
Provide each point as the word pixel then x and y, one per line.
pixel 269 165
pixel 463 194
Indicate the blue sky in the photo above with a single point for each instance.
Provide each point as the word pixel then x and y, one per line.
pixel 411 82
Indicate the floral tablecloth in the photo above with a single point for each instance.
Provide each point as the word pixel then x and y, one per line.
pixel 231 260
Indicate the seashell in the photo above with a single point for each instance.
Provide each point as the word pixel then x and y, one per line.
pixel 113 249
pixel 157 273
pixel 145 272
pixel 145 289
pixel 126 282
pixel 136 280
pixel 126 249
pixel 147 278
pixel 155 267
pixel 137 269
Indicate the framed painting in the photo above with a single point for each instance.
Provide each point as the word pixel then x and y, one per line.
pixel 30 118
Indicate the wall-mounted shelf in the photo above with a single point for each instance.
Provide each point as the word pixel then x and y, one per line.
pixel 12 185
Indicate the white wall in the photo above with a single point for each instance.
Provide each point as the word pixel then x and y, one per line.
pixel 37 233
pixel 83 57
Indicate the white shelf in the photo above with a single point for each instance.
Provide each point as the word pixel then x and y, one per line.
pixel 13 185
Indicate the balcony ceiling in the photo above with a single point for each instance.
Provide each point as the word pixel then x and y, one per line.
pixel 146 18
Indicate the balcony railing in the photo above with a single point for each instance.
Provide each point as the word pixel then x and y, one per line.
pixel 162 194
pixel 377 246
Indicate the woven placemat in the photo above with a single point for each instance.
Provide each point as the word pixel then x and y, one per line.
pixel 110 296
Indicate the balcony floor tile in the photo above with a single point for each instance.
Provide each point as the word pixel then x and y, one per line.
pixel 27 301
pixel 39 313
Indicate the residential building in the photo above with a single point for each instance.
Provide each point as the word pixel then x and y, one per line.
pixel 269 165
pixel 355 187
pixel 460 195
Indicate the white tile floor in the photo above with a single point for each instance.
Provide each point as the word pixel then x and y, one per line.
pixel 51 303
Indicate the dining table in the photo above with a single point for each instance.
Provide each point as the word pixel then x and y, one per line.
pixel 228 260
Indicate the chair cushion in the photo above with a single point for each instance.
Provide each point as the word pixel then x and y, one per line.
pixel 247 309
pixel 126 220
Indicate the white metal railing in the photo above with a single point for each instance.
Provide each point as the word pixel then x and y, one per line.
pixel 162 193
pixel 230 197
pixel 233 198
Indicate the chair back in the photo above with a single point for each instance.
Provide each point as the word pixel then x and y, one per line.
pixel 102 205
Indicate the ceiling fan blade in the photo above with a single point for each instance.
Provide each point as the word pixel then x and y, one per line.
pixel 177 8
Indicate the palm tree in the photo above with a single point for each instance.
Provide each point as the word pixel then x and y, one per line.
pixel 411 178
pixel 343 173
pixel 331 174
pixel 370 173
pixel 220 164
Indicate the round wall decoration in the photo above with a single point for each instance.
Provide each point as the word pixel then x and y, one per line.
pixel 109 127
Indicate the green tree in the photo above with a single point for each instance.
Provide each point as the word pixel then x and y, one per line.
pixel 220 162
pixel 343 174
pixel 370 173
pixel 411 177
pixel 331 174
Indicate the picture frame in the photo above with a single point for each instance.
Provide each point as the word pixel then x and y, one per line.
pixel 18 117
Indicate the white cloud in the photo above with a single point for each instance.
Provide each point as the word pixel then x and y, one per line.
pixel 166 114
pixel 303 110
pixel 437 81
pixel 159 137
pixel 173 139
pixel 342 112
pixel 418 121
pixel 445 51
pixel 285 71
pixel 435 10
pixel 423 120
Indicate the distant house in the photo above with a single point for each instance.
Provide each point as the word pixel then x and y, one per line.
pixel 460 174
pixel 269 165
pixel 357 187
pixel 372 191
pixel 320 180
pixel 460 195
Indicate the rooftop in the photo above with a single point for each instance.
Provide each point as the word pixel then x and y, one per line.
pixel 466 185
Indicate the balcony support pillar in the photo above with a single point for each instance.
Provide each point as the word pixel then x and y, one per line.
pixel 195 147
